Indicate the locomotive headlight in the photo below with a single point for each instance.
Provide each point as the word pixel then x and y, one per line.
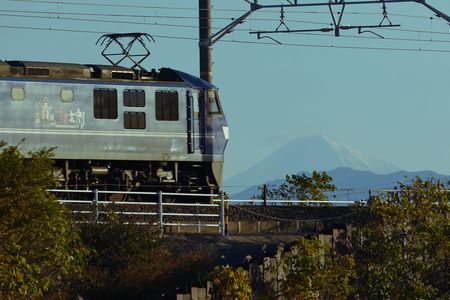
pixel 225 132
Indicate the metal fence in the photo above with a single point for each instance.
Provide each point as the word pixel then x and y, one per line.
pixel 98 207
pixel 97 204
pixel 291 202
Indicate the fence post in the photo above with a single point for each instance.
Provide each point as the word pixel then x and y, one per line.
pixel 222 214
pixel 96 204
pixel 160 212
pixel 264 195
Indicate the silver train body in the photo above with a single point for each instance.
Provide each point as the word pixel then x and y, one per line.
pixel 116 128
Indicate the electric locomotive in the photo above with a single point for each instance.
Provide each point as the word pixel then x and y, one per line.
pixel 115 127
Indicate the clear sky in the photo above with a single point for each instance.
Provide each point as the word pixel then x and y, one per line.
pixel 381 96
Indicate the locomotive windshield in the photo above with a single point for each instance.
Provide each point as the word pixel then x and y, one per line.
pixel 214 102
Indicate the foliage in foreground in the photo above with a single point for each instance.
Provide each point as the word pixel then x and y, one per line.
pixel 39 246
pixel 121 254
pixel 230 283
pixel 314 271
pixel 401 244
pixel 42 253
pixel 131 261
pixel 311 271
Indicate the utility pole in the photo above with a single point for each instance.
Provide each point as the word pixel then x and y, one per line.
pixel 204 21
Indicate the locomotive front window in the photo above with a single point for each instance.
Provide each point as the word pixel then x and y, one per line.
pixel 18 93
pixel 213 103
pixel 105 103
pixel 134 120
pixel 134 98
pixel 166 105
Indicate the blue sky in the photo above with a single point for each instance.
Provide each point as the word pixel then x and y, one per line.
pixel 393 104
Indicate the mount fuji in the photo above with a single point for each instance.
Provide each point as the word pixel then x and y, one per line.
pixel 320 153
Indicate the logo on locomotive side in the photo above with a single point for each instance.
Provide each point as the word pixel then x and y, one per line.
pixel 46 116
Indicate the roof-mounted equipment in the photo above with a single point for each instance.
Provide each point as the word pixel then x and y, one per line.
pixel 125 42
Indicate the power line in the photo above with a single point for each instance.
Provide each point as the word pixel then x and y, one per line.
pixel 216 9
pixel 152 16
pixel 377 38
pixel 105 14
pixel 241 41
pixel 117 15
pixel 341 47
pixel 196 9
pixel 186 17
pixel 416 31
pixel 197 17
pixel 119 22
pixel 100 21
pixel 131 16
pixel 104 5
pixel 195 27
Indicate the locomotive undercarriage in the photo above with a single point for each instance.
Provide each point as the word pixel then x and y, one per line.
pixel 139 176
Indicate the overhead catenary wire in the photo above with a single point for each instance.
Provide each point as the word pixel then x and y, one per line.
pixel 156 16
pixel 122 15
pixel 242 30
pixel 193 17
pixel 62 16
pixel 74 3
pixel 195 9
pixel 48 13
pixel 103 4
pixel 240 41
pixel 124 22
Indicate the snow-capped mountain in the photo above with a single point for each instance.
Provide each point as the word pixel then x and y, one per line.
pixel 307 154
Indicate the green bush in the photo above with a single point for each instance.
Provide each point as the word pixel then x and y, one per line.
pixel 39 246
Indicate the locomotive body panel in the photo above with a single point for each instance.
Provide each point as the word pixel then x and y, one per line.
pixel 43 119
pixel 162 129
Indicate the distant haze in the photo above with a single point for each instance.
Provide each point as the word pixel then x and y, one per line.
pixel 307 154
pixel 352 184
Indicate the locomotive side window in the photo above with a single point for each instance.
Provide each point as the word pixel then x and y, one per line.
pixel 66 95
pixel 166 105
pixel 105 103
pixel 213 103
pixel 134 98
pixel 134 120
pixel 18 93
